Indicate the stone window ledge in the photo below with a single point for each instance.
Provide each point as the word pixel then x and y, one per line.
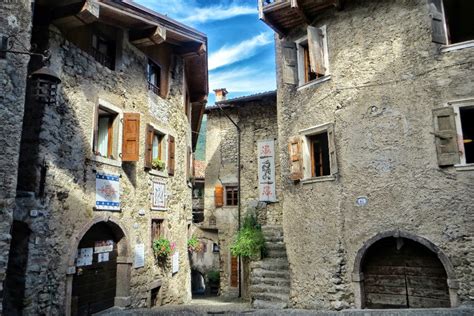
pixel 457 46
pixel 314 82
pixel 318 179
pixel 107 161
pixel 154 172
pixel 466 167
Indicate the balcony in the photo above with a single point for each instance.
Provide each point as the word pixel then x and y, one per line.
pixel 284 15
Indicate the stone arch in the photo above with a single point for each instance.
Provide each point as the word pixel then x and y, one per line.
pixel 124 260
pixel 358 276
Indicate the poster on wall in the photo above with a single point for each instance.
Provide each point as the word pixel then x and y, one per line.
pixel 84 257
pixel 158 197
pixel 139 261
pixel 175 262
pixel 266 170
pixel 103 246
pixel 103 257
pixel 107 192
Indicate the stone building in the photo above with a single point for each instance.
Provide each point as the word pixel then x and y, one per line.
pixel 375 113
pixel 255 116
pixel 105 169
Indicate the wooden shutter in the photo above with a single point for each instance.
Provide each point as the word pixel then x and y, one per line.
pixel 296 158
pixel 171 155
pixel 131 136
pixel 218 196
pixel 149 134
pixel 234 271
pixel 290 66
pixel 95 144
pixel 438 31
pixel 316 50
pixel 446 137
pixel 332 150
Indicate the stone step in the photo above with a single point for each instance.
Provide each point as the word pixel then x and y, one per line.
pixel 276 254
pixel 274 239
pixel 269 305
pixel 275 281
pixel 275 245
pixel 264 288
pixel 264 273
pixel 270 264
pixel 271 297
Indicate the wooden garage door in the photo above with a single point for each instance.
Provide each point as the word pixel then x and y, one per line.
pixel 404 274
pixel 94 285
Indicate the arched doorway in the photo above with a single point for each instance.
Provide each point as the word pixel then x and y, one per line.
pixel 102 271
pixel 198 284
pixel 399 270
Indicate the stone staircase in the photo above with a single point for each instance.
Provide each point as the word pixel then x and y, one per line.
pixel 270 277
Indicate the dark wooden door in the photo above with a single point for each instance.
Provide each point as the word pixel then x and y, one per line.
pixel 94 286
pixel 404 274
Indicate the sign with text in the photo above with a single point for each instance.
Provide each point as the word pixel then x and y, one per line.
pixel 158 197
pixel 107 192
pixel 175 263
pixel 139 261
pixel 266 170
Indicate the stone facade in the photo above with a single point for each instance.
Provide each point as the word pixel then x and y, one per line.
pixel 59 190
pixel 15 20
pixel 386 77
pixel 257 120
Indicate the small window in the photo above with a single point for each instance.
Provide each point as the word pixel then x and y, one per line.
pixel 319 151
pixel 451 21
pixel 215 248
pixel 466 118
pixel 157 229
pixel 155 149
pixel 154 77
pixel 106 134
pixel 3 47
pixel 103 51
pixel 312 55
pixel 231 195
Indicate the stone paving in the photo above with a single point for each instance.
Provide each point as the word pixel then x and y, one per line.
pixel 223 306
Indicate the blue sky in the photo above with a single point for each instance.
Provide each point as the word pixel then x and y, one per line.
pixel 241 48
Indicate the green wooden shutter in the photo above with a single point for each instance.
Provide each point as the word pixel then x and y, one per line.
pixel 446 136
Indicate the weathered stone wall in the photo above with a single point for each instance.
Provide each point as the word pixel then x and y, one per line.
pixel 66 209
pixel 15 19
pixel 386 78
pixel 257 121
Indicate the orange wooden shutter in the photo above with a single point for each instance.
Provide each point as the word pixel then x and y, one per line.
pixel 131 136
pixel 219 196
pixel 296 158
pixel 234 272
pixel 171 155
pixel 150 132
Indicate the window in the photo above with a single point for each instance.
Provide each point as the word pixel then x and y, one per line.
pixel 106 136
pixel 466 124
pixel 157 229
pixel 154 77
pixel 3 46
pixel 231 195
pixel 103 51
pixel 159 150
pixel 312 55
pixel 313 154
pixel 157 146
pixel 452 21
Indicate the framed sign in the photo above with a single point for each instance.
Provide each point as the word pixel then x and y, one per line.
pixel 266 170
pixel 107 192
pixel 139 261
pixel 175 262
pixel 158 196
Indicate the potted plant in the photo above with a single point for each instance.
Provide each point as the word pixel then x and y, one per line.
pixel 158 164
pixel 214 277
pixel 163 248
pixel 250 242
pixel 194 245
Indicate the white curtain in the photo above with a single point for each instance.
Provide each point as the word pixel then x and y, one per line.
pixel 103 136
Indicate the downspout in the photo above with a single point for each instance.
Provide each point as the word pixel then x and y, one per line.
pixel 238 188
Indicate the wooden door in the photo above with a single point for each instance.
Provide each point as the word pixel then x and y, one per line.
pixel 94 285
pixel 400 273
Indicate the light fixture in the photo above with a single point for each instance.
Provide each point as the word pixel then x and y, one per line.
pixel 467 141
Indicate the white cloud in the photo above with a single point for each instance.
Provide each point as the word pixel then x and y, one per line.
pixel 217 13
pixel 243 80
pixel 227 55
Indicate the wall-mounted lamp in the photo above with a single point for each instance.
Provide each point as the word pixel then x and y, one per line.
pixel 44 81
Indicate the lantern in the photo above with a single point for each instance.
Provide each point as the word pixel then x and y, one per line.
pixel 45 85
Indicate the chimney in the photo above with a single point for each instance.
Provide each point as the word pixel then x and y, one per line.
pixel 221 94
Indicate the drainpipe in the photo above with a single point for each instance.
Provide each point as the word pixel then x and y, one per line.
pixel 238 187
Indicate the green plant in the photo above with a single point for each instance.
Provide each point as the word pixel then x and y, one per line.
pixel 214 276
pixel 250 241
pixel 158 164
pixel 162 247
pixel 194 245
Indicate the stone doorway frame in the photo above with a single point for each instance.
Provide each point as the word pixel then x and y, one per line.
pixel 124 261
pixel 358 275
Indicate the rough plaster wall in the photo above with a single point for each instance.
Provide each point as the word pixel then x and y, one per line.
pixel 387 76
pixel 257 122
pixel 66 141
pixel 15 19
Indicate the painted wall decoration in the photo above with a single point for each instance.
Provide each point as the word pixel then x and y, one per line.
pixel 266 170
pixel 107 192
pixel 158 197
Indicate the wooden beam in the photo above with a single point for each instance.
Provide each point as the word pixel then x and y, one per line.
pixel 295 5
pixel 148 37
pixel 86 11
pixel 191 49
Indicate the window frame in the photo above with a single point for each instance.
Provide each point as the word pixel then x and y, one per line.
pixel 164 150
pixel 157 86
pixel 95 52
pixel 301 60
pixel 457 105
pixel 235 198
pixel 117 133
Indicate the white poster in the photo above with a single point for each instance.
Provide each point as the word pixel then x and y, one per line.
pixel 107 192
pixel 139 261
pixel 158 197
pixel 103 246
pixel 103 257
pixel 84 257
pixel 175 262
pixel 266 170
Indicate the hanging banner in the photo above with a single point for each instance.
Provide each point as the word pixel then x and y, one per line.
pixel 158 196
pixel 266 170
pixel 107 192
